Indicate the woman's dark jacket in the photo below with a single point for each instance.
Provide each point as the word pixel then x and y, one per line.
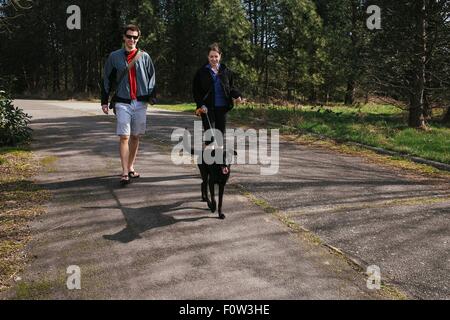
pixel 203 88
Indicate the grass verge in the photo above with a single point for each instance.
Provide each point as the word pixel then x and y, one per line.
pixel 20 202
pixel 387 290
pixel 180 107
pixel 375 125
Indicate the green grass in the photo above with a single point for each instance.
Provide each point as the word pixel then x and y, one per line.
pixel 182 107
pixel 375 125
pixel 35 290
pixel 371 124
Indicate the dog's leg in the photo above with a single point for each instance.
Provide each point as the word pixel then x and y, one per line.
pixel 204 188
pixel 221 191
pixel 212 205
pixel 205 194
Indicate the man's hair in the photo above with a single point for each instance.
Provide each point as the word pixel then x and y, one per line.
pixel 214 47
pixel 132 27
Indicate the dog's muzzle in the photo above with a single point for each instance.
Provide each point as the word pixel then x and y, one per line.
pixel 225 170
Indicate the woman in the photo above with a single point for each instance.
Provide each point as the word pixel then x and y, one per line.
pixel 214 92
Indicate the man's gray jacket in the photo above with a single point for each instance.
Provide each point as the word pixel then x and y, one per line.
pixel 145 78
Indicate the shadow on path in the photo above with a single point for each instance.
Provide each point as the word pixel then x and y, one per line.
pixel 143 219
pixel 138 220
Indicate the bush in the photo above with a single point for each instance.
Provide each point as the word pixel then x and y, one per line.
pixel 13 123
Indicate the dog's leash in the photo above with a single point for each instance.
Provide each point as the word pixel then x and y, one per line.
pixel 225 169
pixel 212 129
pixel 207 117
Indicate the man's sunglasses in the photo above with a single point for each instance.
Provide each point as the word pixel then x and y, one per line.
pixel 131 37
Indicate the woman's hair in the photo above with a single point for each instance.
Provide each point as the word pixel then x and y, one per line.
pixel 132 27
pixel 215 47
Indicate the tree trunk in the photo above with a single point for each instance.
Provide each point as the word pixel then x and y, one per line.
pixel 351 83
pixel 350 94
pixel 66 71
pixel 427 109
pixel 266 74
pixel 416 119
pixel 312 98
pixel 255 23
pixel 416 112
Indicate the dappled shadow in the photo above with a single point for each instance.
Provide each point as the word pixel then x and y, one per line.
pixel 139 219
pixel 111 182
pixel 96 134
pixel 310 179
pixel 313 175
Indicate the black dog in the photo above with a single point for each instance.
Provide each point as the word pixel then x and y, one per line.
pixel 212 174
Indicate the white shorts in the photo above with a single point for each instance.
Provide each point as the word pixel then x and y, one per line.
pixel 131 118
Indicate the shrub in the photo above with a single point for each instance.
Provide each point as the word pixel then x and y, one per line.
pixel 13 123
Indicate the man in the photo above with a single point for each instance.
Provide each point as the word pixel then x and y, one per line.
pixel 135 88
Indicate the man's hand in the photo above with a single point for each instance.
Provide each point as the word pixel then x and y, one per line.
pixel 201 110
pixel 105 109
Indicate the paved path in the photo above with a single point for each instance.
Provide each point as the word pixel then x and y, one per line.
pixel 156 240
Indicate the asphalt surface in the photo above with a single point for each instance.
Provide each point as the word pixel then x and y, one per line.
pixel 155 240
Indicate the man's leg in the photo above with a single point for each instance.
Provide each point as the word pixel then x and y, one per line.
pixel 125 153
pixel 134 146
pixel 138 128
pixel 123 117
